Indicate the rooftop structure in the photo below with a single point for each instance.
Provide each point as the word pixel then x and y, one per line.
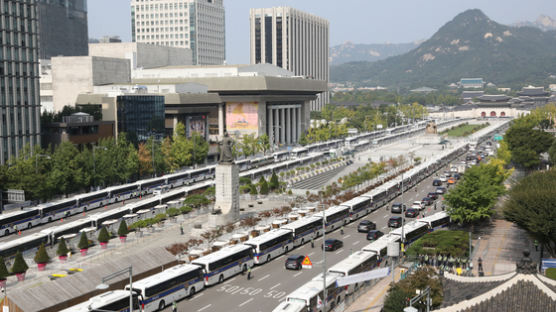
pixel 471 83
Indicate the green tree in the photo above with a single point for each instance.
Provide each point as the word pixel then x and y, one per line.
pixel 62 248
pixel 196 200
pixel 182 148
pixel 396 299
pixel 3 269
pixel 41 256
pixel 274 184
pixel 526 143
pixel 503 152
pixel 264 143
pixel 103 235
pixel 83 241
pixel 264 188
pixel 253 190
pixel 552 153
pixel 67 174
pixel 122 230
pixel 531 205
pixel 166 150
pixel 19 266
pixel 200 148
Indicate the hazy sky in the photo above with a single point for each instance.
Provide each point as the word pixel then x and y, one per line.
pixel 358 21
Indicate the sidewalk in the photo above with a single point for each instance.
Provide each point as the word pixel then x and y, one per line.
pixel 373 299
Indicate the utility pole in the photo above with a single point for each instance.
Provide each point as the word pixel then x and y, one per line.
pixel 154 169
pixel 323 255
pixel 403 214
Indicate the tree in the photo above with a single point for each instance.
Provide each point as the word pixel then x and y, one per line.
pixel 253 190
pixel 3 269
pixel 396 300
pixel 200 148
pixel 19 266
pixel 274 184
pixel 531 205
pixel 67 174
pixel 264 143
pixel 83 241
pixel 182 148
pixel 62 248
pixel 41 256
pixel 166 150
pixel 552 153
pixel 122 230
pixel 145 160
pixel 264 188
pixel 526 143
pixel 503 152
pixel 103 235
pixel 196 200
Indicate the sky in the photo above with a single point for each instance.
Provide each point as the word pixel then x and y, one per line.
pixel 357 21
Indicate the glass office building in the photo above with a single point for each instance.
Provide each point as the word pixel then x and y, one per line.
pixel 140 116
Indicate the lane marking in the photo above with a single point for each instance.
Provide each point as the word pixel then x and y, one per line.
pixel 196 296
pixel 203 308
pixel 246 302
pixel 383 228
pixel 311 253
pixel 297 274
pixel 264 277
pixel 271 288
pixel 355 243
pixel 386 216
pixel 347 236
pixel 339 251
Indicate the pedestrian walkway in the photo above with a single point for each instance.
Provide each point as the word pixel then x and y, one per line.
pixel 373 299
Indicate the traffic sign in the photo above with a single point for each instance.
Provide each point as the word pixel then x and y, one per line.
pixel 307 264
pixel 497 137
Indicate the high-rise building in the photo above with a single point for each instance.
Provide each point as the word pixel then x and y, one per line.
pixel 19 77
pixel 62 28
pixel 294 40
pixel 194 24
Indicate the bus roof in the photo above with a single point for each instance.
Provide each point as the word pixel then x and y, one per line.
pixel 286 306
pixel 164 275
pixel 108 213
pixel 301 222
pixel 332 210
pixel 381 243
pixel 355 201
pixel 307 291
pixel 65 226
pixel 433 217
pixel 224 252
pixel 408 228
pixel 267 236
pixel 352 261
pixel 15 213
pixel 99 301
pixel 22 240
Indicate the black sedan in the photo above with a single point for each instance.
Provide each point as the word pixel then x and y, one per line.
pixel 333 244
pixel 365 226
pixel 427 201
pixel 293 262
pixel 395 222
pixel 432 195
pixel 374 235
pixel 436 182
pixel 411 213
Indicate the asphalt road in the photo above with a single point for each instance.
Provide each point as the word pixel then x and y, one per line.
pixel 271 282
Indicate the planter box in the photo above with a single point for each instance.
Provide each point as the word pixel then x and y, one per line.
pixel 41 266
pixel 103 245
pixel 122 239
pixel 83 252
pixel 20 277
pixel 63 258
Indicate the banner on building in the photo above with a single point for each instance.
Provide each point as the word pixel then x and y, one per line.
pixel 242 118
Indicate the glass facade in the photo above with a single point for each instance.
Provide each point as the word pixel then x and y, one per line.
pixel 140 116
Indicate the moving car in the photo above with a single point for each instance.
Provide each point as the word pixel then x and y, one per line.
pixel 365 226
pixel 451 181
pixel 293 262
pixel 427 201
pixel 436 182
pixel 442 178
pixel 395 222
pixel 397 208
pixel 440 190
pixel 412 213
pixel 374 235
pixel 417 205
pixel 332 244
pixel 432 195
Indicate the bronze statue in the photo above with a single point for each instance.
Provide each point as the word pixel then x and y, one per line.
pixel 526 265
pixel 226 155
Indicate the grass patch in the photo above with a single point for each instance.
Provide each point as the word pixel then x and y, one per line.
pixel 455 243
pixel 551 273
pixel 464 130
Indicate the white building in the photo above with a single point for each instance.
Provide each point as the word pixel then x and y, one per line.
pixel 195 24
pixel 294 40
pixel 142 55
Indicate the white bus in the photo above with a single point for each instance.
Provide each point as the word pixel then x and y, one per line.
pixel 270 245
pixel 358 262
pixel 9 248
pixel 225 263
pixel 94 200
pixel 411 231
pixel 380 246
pixel 436 221
pixel 173 284
pixel 286 306
pixel 311 294
pixel 18 220
pixel 59 209
pixel 335 217
pixel 304 229
pixel 116 300
pixel 299 152
pixel 358 207
pixel 73 227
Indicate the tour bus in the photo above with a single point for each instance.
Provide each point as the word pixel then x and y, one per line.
pixel 380 246
pixel 335 217
pixel 358 262
pixel 225 263
pixel 311 294
pixel 115 214
pixel 94 199
pixel 173 284
pixel 358 207
pixel 59 209
pixel 436 221
pixel 72 227
pixel 304 229
pixel 411 231
pixel 124 192
pixel 299 152
pixel 286 306
pixel 9 248
pixel 116 300
pixel 378 197
pixel 22 219
pixel 270 245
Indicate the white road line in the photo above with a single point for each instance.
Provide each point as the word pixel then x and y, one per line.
pixel 386 216
pixel 246 302
pixel 311 253
pixel 205 307
pixel 297 274
pixel 264 277
pixel 271 288
pixel 339 251
pixel 230 280
pixel 283 298
pixel 347 236
pixel 355 243
pixel 383 227
pixel 196 296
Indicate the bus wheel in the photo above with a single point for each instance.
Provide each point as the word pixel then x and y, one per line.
pixel 286 249
pixel 29 225
pixel 49 219
pixel 302 241
pixel 221 279
pixel 7 233
pixel 244 269
pixel 268 258
pixel 192 292
pixel 161 305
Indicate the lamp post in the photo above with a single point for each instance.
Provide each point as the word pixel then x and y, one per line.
pixel 403 215
pixel 128 270
pixel 323 253
pixel 95 165
pixel 37 161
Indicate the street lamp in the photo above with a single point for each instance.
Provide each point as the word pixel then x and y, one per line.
pixel 323 251
pixel 37 161
pixel 95 165
pixel 128 270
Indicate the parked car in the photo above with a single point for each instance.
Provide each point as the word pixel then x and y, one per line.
pixel 440 190
pixel 293 262
pixel 457 176
pixel 436 182
pixel 443 178
pixel 333 244
pixel 432 195
pixel 411 213
pixel 427 201
pixel 451 181
pixel 374 235
pixel 417 205
pixel 395 222
pixel 397 208
pixel 447 174
pixel 365 226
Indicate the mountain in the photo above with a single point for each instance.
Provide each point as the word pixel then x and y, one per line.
pixel 543 22
pixel 350 52
pixel 471 45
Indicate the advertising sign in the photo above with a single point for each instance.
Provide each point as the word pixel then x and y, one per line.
pixel 242 118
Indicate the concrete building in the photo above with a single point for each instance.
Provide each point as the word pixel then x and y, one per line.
pixel 294 40
pixel 62 28
pixel 80 129
pixel 198 25
pixel 45 79
pixel 77 74
pixel 142 55
pixel 19 83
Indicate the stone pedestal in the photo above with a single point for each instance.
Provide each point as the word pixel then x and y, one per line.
pixel 227 193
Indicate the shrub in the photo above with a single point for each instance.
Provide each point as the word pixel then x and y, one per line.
pixel 159 217
pixel 172 212
pixel 273 181
pixel 41 256
pixel 83 241
pixel 244 180
pixel 20 266
pixel 62 248
pixel 264 188
pixel 103 235
pixel 246 188
pixel 3 269
pixel 253 190
pixel 185 209
pixel 122 230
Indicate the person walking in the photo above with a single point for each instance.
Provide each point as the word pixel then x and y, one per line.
pixel 248 272
pixel 536 245
pixel 342 229
pixel 181 229
pixel 313 242
pixel 174 307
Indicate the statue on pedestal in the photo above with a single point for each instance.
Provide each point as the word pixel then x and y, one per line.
pixel 526 264
pixel 226 155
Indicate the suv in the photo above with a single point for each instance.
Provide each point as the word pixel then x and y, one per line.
pixel 395 222
pixel 366 226
pixel 374 235
pixel 397 208
pixel 436 182
pixel 293 262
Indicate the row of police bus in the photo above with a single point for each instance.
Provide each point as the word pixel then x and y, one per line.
pixel 157 291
